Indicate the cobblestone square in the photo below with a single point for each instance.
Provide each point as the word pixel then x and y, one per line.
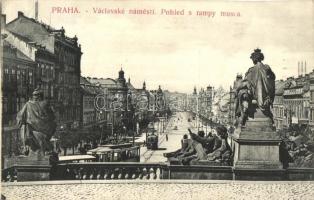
pixel 176 190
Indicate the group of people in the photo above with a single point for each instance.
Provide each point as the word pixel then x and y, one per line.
pixel 213 147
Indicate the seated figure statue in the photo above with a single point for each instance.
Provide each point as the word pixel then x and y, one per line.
pixel 223 153
pixel 209 143
pixel 255 91
pixel 201 148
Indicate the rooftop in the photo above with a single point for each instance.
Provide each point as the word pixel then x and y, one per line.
pixel 19 54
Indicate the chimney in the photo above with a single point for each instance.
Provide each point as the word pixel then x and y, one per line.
pixel 36 10
pixel 301 68
pixel 305 67
pixel 298 68
pixel 3 21
pixel 20 14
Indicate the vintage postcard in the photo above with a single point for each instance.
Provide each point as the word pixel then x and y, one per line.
pixel 157 99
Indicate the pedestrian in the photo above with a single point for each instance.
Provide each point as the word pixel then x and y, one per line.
pixel 166 137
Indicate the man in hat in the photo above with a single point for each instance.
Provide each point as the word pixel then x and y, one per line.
pixel 36 120
pixel 256 91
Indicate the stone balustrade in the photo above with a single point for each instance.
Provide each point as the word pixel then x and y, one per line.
pixel 9 175
pixel 152 171
pixel 104 171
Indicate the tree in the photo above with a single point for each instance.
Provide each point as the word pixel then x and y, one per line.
pixel 69 139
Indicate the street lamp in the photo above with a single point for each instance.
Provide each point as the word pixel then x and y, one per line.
pixel 128 105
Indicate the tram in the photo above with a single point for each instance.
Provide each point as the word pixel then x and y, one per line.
pixel 152 142
pixel 76 159
pixel 116 153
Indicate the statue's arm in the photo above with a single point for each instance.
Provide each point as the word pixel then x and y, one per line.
pixel 270 73
pixel 201 140
pixel 21 116
pixel 243 85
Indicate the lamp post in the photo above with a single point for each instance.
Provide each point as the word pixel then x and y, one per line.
pixel 102 128
pixel 197 113
pixel 128 108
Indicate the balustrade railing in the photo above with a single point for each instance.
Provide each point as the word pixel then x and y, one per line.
pixel 104 171
pixel 9 175
pixel 151 171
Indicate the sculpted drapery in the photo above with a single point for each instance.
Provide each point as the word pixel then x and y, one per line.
pixel 37 119
pixel 256 90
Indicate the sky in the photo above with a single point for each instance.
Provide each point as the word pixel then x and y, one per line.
pixel 180 52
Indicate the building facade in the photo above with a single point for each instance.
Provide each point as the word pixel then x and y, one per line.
pixel 56 71
pixel 311 120
pixel 279 110
pixel 117 103
pixel 296 98
pixel 93 119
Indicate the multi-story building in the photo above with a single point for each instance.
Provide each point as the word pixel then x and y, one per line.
pixel 278 110
pixel 19 52
pixel 311 120
pixel 21 58
pixel 17 87
pixel 296 98
pixel 115 92
pixel 59 76
pixel 205 99
pixel 93 119
pixel 176 101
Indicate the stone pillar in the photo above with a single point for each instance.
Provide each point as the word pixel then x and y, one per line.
pixel 30 168
pixel 256 147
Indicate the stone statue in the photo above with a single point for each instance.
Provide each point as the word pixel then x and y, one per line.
pixel 37 125
pixel 256 91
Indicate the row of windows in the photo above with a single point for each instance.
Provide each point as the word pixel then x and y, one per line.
pixel 295 111
pixel 45 70
pixel 12 104
pixel 66 56
pixel 279 112
pixel 68 79
pixel 15 75
pixel 70 113
pixel 278 100
pixel 88 103
pixel 88 118
pixel 48 90
pixel 69 96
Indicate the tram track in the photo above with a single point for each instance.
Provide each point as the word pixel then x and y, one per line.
pixel 151 152
pixel 148 154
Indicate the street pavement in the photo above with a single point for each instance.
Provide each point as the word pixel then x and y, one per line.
pixel 179 120
pixel 168 190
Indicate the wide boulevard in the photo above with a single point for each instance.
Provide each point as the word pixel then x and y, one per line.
pixel 177 126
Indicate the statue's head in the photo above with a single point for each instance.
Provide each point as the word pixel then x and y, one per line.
pixel 201 133
pixel 222 131
pixel 38 95
pixel 257 56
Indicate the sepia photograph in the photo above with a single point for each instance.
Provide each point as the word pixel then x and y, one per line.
pixel 139 99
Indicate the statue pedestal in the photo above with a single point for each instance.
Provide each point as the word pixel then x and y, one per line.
pixel 256 146
pixel 29 168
